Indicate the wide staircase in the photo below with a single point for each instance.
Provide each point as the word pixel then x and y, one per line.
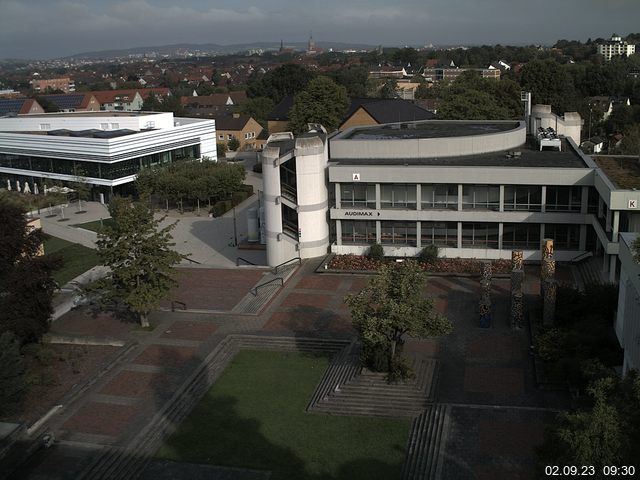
pixel 428 432
pixel 348 389
pixel 589 271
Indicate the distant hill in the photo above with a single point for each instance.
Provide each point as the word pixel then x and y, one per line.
pixel 210 49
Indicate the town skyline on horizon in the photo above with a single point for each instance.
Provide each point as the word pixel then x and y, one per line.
pixel 41 29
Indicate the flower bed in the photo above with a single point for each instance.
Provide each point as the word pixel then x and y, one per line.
pixel 442 265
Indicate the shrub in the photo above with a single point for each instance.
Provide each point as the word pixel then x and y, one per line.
pixel 376 252
pixel 218 209
pixel 233 144
pixel 257 168
pixel 221 149
pixel 238 197
pixel 12 373
pixel 429 254
pixel 247 188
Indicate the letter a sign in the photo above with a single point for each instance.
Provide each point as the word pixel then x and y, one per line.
pixel 356 177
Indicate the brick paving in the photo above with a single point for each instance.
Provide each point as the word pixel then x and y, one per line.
pixel 486 369
pixel 83 322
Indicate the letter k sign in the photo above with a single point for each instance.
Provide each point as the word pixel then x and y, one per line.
pixel 633 204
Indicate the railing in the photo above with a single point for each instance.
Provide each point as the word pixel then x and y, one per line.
pixel 176 302
pixel 254 290
pixel 240 259
pixel 294 259
pixel 582 256
pixel 186 257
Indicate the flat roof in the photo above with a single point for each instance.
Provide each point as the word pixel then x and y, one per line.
pixel 624 172
pixel 101 113
pixel 429 129
pixel 530 156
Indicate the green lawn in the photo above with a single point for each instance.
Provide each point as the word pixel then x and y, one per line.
pixel 254 417
pixel 77 258
pixel 95 225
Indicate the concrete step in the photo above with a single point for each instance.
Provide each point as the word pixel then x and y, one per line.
pixel 428 434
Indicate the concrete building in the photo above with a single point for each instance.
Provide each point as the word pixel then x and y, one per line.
pixel 615 46
pixel 242 127
pixel 476 189
pixel 106 149
pixel 42 84
pixel 627 324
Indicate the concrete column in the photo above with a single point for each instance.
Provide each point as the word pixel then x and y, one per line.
pixel 584 206
pixel 378 202
pixel 459 234
pixel 583 238
pixel 460 192
pixel 600 206
pixel 543 201
pixel 616 225
pixel 419 233
pixel 500 233
pixel 612 269
pixel 501 208
pixel 418 197
pixel 378 230
pixel 541 235
pixel 338 196
pixel 338 232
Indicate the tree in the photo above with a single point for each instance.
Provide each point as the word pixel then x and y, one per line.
pixel 26 282
pixel 12 370
pixel 636 249
pixel 258 108
pixel 139 255
pixel 389 89
pixel 323 101
pixel 233 144
pixel 353 78
pixel 276 84
pixel 390 307
pixel 631 141
pixel 549 83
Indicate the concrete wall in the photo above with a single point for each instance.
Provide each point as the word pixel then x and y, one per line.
pixel 84 121
pixel 311 163
pixel 343 147
pixel 627 324
pixel 570 125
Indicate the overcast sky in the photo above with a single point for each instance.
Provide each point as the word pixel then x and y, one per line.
pixel 53 28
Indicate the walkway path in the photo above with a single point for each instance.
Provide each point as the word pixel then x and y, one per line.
pixel 482 418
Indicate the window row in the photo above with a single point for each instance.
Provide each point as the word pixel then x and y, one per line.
pixel 107 171
pixel 474 235
pixel 474 197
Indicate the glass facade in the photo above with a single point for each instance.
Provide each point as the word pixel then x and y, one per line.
pixel 523 198
pixel 565 237
pixel 481 197
pixel 439 197
pixel 398 233
pixel 360 195
pixel 103 170
pixel 480 235
pixel 442 234
pixel 524 236
pixel 398 195
pixel 290 221
pixel 563 199
pixel 288 182
pixel 358 233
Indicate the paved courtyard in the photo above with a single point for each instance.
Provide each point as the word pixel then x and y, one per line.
pixel 497 415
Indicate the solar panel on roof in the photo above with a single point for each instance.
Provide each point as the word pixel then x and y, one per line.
pixel 11 105
pixel 65 102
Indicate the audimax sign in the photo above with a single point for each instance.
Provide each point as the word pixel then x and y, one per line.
pixel 361 213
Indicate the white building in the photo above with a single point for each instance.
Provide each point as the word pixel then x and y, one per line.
pixel 615 46
pixel 105 148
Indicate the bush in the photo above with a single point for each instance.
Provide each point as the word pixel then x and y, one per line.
pixel 233 144
pixel 239 197
pixel 247 188
pixel 376 252
pixel 257 168
pixel 217 209
pixel 429 254
pixel 221 149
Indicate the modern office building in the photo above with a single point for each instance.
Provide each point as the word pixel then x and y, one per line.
pixel 627 324
pixel 105 149
pixel 476 189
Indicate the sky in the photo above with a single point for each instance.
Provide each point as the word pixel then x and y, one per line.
pixel 55 28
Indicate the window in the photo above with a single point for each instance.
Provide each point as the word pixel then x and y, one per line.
pixel 288 181
pixel 442 234
pixel 115 126
pixel 358 195
pixel 481 197
pixel 479 235
pixel 521 235
pixel 563 199
pixel 104 126
pixel 398 196
pixel 45 126
pixel 290 221
pixel 440 197
pixel 229 137
pixel 523 198
pixel 398 233
pixel 565 237
pixel 358 232
pixel 220 137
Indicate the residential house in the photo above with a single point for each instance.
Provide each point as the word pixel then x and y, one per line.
pixel 615 46
pixel 215 105
pixel 376 111
pixel 19 106
pixel 65 84
pixel 242 127
pixel 127 100
pixel 74 102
